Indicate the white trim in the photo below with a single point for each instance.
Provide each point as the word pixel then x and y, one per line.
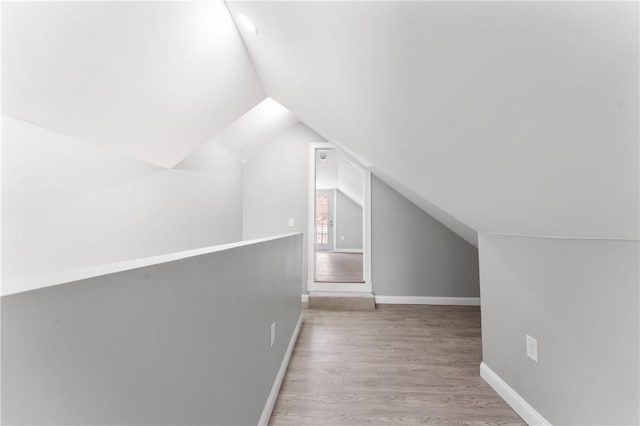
pixel 421 300
pixel 323 287
pixel 340 294
pixel 305 298
pixel 334 220
pixel 511 397
pixel 311 211
pixel 345 250
pixel 275 389
pixel 559 237
pixel 33 282
pixel 367 286
pixel 366 244
pixel 352 156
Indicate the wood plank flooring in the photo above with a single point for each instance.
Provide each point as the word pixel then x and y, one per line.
pixel 338 267
pixel 397 365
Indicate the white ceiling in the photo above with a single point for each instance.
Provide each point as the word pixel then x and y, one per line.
pixel 152 80
pixel 510 117
pixel 337 171
pixel 246 137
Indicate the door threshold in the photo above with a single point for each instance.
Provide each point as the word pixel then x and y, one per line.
pixel 342 301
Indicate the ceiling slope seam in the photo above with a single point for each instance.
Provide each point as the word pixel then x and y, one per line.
pixel 97 146
pixel 244 46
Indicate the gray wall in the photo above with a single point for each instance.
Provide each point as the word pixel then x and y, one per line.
pixel 276 186
pixel 415 255
pixel 180 343
pixel 579 299
pixel 412 253
pixel 348 223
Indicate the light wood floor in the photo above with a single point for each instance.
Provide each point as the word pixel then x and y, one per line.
pixel 399 364
pixel 339 267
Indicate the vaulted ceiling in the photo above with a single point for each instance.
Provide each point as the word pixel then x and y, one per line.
pixel 247 136
pixel 507 117
pixel 152 80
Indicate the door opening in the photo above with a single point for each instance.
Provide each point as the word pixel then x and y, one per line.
pixel 339 207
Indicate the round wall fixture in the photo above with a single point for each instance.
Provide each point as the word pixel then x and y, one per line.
pixel 247 24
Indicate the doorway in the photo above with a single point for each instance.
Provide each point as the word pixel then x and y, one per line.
pixel 339 221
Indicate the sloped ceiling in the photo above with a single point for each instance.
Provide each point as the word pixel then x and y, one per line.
pixel 246 137
pixel 152 80
pixel 510 117
pixel 336 171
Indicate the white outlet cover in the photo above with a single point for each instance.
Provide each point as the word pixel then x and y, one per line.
pixel 292 222
pixel 273 333
pixel 532 348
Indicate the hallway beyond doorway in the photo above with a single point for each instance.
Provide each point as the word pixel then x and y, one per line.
pixel 338 267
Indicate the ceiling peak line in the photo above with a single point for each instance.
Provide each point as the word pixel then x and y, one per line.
pixel 246 49
pixel 99 147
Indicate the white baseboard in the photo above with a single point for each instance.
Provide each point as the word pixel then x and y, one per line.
pixel 341 250
pixel 305 298
pixel 421 300
pixel 511 397
pixel 275 389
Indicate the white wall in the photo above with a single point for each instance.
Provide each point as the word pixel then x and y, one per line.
pixel 152 80
pixel 68 204
pixel 276 185
pixel 336 171
pixel 512 117
pixel 326 169
pixel 579 299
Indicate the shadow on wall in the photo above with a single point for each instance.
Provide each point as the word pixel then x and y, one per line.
pixel 92 206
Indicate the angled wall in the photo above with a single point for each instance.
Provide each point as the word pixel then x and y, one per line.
pixel 415 255
pixel 68 204
pixel 512 117
pixel 412 253
pixel 152 80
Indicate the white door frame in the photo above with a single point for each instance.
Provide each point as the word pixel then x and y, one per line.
pixel 367 286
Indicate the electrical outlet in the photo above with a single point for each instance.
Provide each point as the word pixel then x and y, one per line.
pixel 292 222
pixel 532 348
pixel 273 333
pixel 341 237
